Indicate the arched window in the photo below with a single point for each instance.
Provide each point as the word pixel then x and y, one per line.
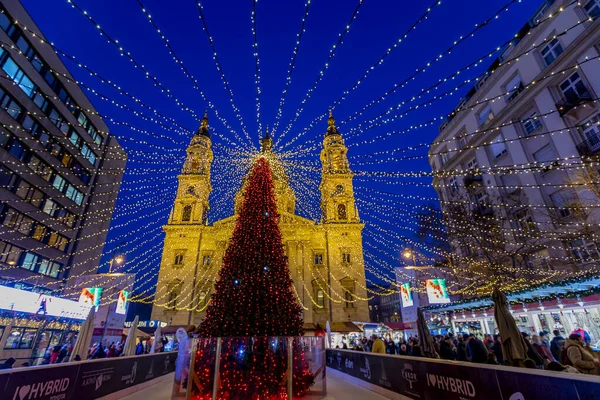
pixel 187 213
pixel 342 212
pixel 349 298
pixel 174 289
pixel 320 298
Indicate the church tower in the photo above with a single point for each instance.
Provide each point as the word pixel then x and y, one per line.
pixel 343 232
pixel 175 298
pixel 337 194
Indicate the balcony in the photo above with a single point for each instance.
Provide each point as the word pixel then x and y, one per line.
pixel 590 146
pixel 567 104
pixel 472 179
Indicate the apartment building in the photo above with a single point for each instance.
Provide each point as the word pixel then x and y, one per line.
pixel 520 150
pixel 60 169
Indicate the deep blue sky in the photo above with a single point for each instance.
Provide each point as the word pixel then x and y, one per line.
pixel 377 27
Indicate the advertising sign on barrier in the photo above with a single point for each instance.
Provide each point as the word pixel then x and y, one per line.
pixel 55 383
pixel 84 380
pixel 424 380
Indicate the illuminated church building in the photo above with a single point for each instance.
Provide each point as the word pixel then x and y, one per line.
pixel 325 259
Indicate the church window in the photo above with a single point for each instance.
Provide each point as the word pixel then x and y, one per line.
pixel 342 212
pixel 187 213
pixel 202 299
pixel 320 298
pixel 318 259
pixel 348 287
pixel 339 189
pixel 345 258
pixel 206 260
pixel 348 297
pixel 178 259
pixel 174 289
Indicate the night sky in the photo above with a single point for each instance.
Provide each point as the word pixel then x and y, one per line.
pixel 150 181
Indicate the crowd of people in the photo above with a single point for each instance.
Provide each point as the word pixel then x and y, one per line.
pixel 572 354
pixel 62 353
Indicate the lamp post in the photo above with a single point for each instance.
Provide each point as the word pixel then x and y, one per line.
pixel 119 259
pixel 410 253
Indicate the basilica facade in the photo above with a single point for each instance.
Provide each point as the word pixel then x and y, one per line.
pixel 325 258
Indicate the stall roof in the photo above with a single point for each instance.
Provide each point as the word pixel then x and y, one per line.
pixel 138 333
pixel 397 326
pixel 572 286
pixel 344 327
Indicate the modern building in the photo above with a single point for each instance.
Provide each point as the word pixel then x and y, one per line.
pixel 60 169
pixel 515 164
pixel 325 259
pixel 385 308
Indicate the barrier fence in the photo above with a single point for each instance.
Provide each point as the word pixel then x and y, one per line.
pixel 84 379
pixel 426 379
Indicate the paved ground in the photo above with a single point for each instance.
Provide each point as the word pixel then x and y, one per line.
pixel 337 388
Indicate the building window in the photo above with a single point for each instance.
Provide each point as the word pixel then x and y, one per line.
pixel 462 141
pixel 573 88
pixel 320 298
pixel 345 258
pixel 551 51
pixel 524 221
pixel 178 259
pixel 592 8
pixel 485 115
pixel 187 213
pixel 473 164
pixel 583 250
pixel 20 338
pixel 342 212
pixel 349 298
pixel 564 200
pixel 318 259
pixel 453 184
pixel 546 156
pixel 444 157
pixel 206 260
pixel 510 182
pixel 531 123
pixel 513 88
pixel 497 147
pixel 174 289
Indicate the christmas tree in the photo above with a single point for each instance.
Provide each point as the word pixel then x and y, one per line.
pixel 254 302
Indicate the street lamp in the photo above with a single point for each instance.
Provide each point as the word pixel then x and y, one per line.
pixel 409 253
pixel 118 259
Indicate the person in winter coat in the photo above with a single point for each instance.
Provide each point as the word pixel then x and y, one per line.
pixel 8 364
pixel 64 351
pixel 54 354
pixel 542 349
pixel 378 345
pixel 461 349
pixel 416 349
pixel 532 353
pixel 139 349
pixel 556 345
pixel 479 353
pixel 447 351
pixel 579 357
pixel 497 350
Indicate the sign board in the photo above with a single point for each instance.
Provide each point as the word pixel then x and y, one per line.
pixel 122 302
pixel 146 324
pixel 91 296
pixel 406 295
pixel 86 379
pixel 37 303
pixel 437 292
pixel 429 380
